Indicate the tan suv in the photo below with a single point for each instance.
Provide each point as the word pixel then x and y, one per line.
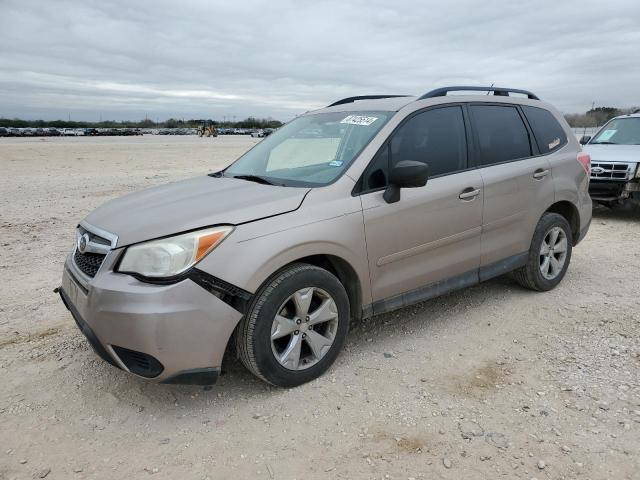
pixel 366 206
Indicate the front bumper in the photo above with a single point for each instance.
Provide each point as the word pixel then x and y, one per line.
pixel 174 333
pixel 613 191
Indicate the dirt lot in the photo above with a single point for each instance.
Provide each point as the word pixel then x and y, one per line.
pixel 490 382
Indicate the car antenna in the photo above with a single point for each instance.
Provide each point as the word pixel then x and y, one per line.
pixel 491 87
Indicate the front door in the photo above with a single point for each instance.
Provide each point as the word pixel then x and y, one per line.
pixel 432 233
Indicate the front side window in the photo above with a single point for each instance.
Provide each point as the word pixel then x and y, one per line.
pixel 502 135
pixel 619 131
pixel 436 137
pixel 312 150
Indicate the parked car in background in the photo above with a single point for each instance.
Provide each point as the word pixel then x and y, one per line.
pixel 366 206
pixel 615 162
pixel 69 132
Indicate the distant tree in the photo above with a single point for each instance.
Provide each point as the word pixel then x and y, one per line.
pixel 595 117
pixel 250 122
pixel 602 115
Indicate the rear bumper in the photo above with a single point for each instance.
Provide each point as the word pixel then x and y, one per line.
pixel 167 333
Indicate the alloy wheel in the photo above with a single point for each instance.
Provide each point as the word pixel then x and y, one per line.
pixel 304 328
pixel 553 253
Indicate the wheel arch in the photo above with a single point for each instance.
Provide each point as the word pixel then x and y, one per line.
pixel 336 265
pixel 570 212
pixel 345 273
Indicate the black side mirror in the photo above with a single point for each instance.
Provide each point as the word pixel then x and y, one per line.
pixel 405 174
pixel 585 139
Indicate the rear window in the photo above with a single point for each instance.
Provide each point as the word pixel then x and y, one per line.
pixel 502 135
pixel 549 134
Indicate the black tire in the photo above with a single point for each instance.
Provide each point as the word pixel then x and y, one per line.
pixel 530 275
pixel 253 340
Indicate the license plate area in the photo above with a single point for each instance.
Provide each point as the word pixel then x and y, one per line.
pixel 75 292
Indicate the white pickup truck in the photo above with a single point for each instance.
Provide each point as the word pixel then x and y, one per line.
pixel 615 160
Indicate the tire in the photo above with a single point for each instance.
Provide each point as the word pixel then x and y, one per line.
pixel 285 295
pixel 531 275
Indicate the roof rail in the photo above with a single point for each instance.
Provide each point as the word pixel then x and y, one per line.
pixel 498 91
pixel 363 97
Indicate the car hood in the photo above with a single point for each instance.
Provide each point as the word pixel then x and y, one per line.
pixel 189 204
pixel 613 153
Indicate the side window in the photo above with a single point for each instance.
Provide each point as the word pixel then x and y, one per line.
pixel 549 134
pixel 436 137
pixel 502 134
pixel 376 174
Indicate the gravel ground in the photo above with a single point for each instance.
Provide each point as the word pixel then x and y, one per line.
pixel 489 382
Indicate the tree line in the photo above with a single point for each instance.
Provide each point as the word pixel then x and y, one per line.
pixel 250 122
pixel 596 116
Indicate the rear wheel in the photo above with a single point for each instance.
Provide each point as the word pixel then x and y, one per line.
pixel 295 326
pixel 549 254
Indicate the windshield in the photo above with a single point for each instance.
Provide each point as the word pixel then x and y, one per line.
pixel 312 150
pixel 621 131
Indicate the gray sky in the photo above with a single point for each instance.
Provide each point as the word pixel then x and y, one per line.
pixel 125 59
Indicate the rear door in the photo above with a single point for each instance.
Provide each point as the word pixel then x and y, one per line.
pixel 433 232
pixel 517 181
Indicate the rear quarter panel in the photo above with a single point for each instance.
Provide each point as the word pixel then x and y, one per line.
pixel 570 180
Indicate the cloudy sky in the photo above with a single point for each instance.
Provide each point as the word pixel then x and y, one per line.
pixel 125 59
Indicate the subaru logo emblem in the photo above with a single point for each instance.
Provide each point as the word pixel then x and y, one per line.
pixel 597 170
pixel 83 241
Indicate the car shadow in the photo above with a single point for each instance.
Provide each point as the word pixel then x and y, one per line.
pixel 631 213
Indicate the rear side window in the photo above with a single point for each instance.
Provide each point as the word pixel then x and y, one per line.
pixel 436 137
pixel 549 134
pixel 502 135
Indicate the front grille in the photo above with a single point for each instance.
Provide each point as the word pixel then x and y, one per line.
pixel 138 362
pixel 95 248
pixel 88 263
pixel 612 171
pixel 93 237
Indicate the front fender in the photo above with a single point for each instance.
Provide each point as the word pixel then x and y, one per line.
pixel 253 252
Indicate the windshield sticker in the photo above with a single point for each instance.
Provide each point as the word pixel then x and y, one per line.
pixel 359 120
pixel 606 135
pixel 554 144
pixel 336 163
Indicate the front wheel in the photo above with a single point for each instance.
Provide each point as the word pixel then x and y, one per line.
pixel 549 254
pixel 295 327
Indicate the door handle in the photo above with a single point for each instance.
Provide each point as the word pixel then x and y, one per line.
pixel 469 193
pixel 539 174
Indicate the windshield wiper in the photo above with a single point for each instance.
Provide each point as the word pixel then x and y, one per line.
pixel 604 143
pixel 254 178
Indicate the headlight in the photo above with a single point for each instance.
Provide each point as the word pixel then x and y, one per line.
pixel 171 256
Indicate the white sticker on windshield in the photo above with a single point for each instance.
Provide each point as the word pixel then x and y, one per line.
pixel 359 120
pixel 606 135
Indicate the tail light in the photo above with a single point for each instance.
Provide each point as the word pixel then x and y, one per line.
pixel 585 161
